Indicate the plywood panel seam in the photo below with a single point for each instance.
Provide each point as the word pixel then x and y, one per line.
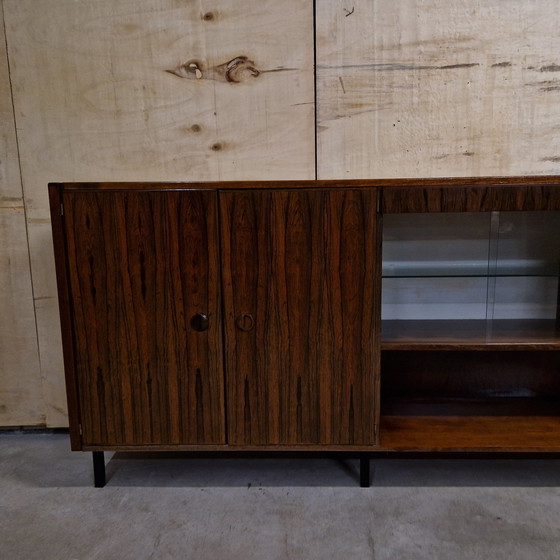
pixel 315 115
pixel 18 155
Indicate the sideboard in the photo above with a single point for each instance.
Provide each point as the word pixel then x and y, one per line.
pixel 357 316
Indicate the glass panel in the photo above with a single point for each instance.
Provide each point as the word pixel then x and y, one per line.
pixel 471 244
pixel 528 243
pixel 434 298
pixel 471 266
pixel 524 298
pixel 435 245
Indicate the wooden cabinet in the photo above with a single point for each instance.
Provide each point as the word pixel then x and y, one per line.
pixel 141 282
pixel 143 274
pixel 248 316
pixel 301 307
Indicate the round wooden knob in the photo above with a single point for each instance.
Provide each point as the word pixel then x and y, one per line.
pixel 200 322
pixel 245 322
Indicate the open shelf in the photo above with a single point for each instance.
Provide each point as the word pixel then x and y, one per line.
pixel 501 334
pixel 470 433
pixel 434 400
pixel 471 407
pixel 470 332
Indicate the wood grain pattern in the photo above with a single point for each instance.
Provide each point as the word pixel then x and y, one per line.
pixel 66 316
pixel 302 318
pixel 257 450
pixel 105 108
pixel 10 178
pixel 140 266
pixel 469 406
pixel 302 264
pixel 39 235
pixel 482 433
pixel 430 88
pixel 433 375
pixel 21 395
pixel 471 199
pixel 469 401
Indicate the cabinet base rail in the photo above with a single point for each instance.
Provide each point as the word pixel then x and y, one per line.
pixel 100 477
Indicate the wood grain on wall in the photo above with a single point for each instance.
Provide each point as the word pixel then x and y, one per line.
pixel 21 398
pixel 152 90
pixel 164 90
pixel 10 180
pixel 437 88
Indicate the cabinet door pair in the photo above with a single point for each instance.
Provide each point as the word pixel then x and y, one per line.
pixel 194 310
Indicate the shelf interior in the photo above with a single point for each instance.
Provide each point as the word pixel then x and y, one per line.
pixel 467 400
pixel 472 407
pixel 506 334
pixel 470 332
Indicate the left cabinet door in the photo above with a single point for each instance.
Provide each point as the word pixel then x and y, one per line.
pixel 143 272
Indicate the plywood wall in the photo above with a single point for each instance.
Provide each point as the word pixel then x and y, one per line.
pixel 123 90
pixel 21 398
pixel 421 88
pixel 200 90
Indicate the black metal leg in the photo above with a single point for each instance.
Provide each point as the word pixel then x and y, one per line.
pixel 364 471
pixel 99 469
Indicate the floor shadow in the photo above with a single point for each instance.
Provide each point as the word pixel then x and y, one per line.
pixel 46 461
pixel 155 469
pixel 185 470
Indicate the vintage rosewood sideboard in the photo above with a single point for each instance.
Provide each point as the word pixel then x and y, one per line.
pixel 357 316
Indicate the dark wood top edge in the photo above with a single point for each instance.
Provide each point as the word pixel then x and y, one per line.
pixel 520 346
pixel 437 182
pixel 408 448
pixel 315 448
pixel 387 447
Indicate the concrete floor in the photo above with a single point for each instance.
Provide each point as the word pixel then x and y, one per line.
pixel 268 509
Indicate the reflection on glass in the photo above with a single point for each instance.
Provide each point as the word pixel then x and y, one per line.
pixel 495 265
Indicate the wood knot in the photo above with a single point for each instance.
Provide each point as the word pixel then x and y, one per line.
pixel 208 16
pixel 195 128
pixel 239 67
pixel 216 147
pixel 190 69
pixel 234 71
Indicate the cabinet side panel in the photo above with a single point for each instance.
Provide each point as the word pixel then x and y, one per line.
pixel 300 319
pixel 141 265
pixel 65 308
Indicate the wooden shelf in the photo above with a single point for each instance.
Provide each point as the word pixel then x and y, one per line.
pixel 507 334
pixel 469 433
pixel 467 407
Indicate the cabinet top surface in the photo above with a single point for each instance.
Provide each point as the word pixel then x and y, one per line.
pixel 459 182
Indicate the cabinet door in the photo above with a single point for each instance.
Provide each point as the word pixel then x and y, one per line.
pixel 143 269
pixel 301 300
